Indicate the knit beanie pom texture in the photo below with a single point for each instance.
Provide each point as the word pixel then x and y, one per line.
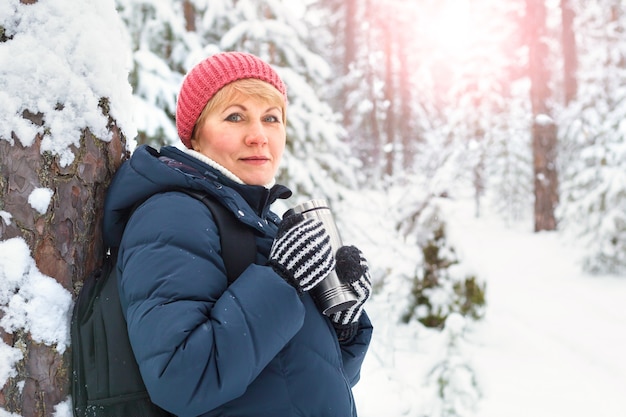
pixel 209 76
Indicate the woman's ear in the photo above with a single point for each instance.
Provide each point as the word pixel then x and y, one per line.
pixel 195 145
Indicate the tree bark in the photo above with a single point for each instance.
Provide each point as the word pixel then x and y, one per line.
pixel 546 179
pixel 373 154
pixel 544 129
pixel 407 133
pixel 189 11
pixel 570 56
pixel 65 243
pixel 350 34
pixel 390 93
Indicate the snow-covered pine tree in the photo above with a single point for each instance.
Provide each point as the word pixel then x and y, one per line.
pixel 356 54
pixel 441 285
pixel 161 43
pixel 593 190
pixel 455 381
pixel 509 158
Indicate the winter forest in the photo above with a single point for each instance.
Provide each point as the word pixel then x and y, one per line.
pixel 399 110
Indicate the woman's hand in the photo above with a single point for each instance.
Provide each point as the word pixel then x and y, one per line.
pixel 353 270
pixel 301 252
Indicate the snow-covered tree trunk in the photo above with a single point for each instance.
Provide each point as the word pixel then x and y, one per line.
pixel 65 243
pixel 65 99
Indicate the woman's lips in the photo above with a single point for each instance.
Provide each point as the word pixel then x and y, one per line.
pixel 255 159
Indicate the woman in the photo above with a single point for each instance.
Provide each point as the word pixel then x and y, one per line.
pixel 259 347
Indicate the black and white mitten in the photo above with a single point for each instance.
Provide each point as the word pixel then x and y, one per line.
pixel 301 252
pixel 352 269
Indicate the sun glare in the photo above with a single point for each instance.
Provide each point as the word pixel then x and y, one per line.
pixel 448 26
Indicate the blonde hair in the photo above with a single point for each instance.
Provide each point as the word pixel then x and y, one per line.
pixel 242 88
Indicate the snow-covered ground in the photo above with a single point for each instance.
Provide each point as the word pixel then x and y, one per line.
pixel 552 342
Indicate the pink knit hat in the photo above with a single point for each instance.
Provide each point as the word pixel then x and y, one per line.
pixel 209 76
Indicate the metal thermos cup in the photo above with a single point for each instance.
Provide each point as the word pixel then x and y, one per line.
pixel 330 295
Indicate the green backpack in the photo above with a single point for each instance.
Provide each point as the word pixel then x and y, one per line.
pixel 105 376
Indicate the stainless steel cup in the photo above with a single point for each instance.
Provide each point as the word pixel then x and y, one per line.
pixel 330 295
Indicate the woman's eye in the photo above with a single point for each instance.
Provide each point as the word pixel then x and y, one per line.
pixel 271 119
pixel 235 117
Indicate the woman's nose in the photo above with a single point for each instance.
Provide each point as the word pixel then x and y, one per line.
pixel 256 134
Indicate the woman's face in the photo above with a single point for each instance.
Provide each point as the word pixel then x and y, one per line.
pixel 245 135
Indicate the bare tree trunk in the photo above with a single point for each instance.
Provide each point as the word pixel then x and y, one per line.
pixel 65 243
pixel 406 133
pixel 350 34
pixel 390 92
pixel 570 56
pixel 189 12
pixel 374 151
pixel 544 129
pixel 350 39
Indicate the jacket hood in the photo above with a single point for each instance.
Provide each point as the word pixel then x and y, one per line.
pixel 149 172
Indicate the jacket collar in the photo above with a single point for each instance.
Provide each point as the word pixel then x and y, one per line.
pixel 258 197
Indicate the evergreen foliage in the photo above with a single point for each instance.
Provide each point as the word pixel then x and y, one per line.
pixel 457 386
pixel 508 170
pixel 358 93
pixel 439 288
pixel 593 149
pixel 159 44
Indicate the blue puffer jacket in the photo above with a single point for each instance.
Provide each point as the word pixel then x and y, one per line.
pixel 254 348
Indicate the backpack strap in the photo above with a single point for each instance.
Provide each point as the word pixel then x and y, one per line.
pixel 236 239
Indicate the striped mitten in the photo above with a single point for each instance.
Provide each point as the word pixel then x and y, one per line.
pixel 301 253
pixel 352 269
